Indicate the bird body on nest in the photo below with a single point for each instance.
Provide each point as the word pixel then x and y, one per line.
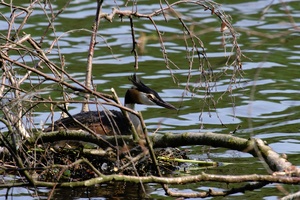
pixel 114 122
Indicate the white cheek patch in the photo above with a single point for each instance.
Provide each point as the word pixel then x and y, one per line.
pixel 145 100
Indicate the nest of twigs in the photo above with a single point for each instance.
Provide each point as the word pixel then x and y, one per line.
pixel 76 163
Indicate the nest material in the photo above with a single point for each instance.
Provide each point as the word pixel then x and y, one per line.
pixel 60 164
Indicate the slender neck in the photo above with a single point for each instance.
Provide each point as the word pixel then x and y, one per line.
pixel 130 105
pixel 134 119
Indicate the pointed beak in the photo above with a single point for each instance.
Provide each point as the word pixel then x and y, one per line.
pixel 164 104
pixel 142 94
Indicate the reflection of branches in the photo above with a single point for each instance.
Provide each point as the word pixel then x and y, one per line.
pixel 287 10
pixel 214 193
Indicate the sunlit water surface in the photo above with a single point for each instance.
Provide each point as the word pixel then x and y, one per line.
pixel 265 101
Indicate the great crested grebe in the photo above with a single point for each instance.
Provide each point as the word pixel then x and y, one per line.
pixel 114 122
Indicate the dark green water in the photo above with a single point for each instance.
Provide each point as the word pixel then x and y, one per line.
pixel 265 100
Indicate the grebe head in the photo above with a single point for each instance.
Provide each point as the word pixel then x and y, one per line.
pixel 142 94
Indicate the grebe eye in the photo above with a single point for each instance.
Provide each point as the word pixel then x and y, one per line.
pixel 151 96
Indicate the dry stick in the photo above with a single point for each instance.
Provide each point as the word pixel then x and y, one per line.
pixel 15 118
pixel 3 79
pixel 14 153
pixel 53 18
pixel 149 144
pixel 130 13
pixel 51 65
pixel 132 161
pixel 13 44
pixel 34 44
pixel 89 67
pixel 28 13
pixel 39 51
pixel 178 180
pixel 295 195
pixel 136 56
pixel 192 36
pixel 225 22
pixel 31 41
pixel 40 54
pixel 135 135
pixel 151 151
pixel 11 147
pixel 191 61
pixel 103 96
pixel 161 7
pixel 163 48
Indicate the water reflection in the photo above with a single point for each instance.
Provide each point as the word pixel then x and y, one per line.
pixel 117 190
